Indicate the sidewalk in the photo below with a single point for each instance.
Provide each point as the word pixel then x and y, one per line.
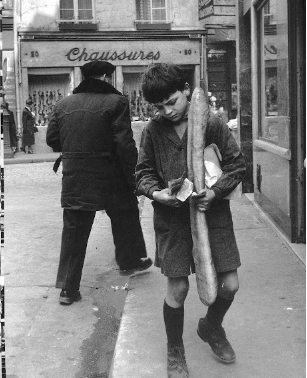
pixel 22 158
pixel 266 324
pixel 43 339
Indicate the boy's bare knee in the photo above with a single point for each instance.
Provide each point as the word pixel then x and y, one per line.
pixel 228 290
pixel 228 285
pixel 177 290
pixel 182 291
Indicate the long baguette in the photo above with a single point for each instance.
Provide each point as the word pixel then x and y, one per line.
pixel 204 268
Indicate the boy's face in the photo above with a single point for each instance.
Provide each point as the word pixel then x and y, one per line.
pixel 175 107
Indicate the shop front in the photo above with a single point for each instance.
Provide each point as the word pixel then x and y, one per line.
pixel 219 18
pixel 51 68
pixel 279 136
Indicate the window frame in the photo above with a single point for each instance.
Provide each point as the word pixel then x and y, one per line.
pixel 151 20
pixel 75 18
pixel 261 82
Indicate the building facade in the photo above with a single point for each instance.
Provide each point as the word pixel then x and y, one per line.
pixel 57 37
pixel 219 18
pixel 271 45
pixel 8 73
pixel 252 52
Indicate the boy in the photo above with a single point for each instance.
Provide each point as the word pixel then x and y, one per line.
pixel 163 157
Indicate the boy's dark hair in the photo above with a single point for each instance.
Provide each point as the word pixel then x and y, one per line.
pixel 161 81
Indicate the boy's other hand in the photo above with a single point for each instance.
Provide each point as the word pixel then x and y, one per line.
pixel 203 199
pixel 164 196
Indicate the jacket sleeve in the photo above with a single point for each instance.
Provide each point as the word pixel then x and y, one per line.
pixel 53 133
pixel 147 179
pixel 24 119
pixel 125 148
pixel 233 163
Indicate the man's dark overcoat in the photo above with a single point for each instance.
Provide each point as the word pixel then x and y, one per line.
pixel 92 129
pixel 28 123
pixel 12 129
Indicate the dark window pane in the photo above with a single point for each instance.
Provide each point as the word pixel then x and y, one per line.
pixel 85 10
pixel 67 14
pixel 143 9
pixel 159 14
pixel 85 4
pixel 66 4
pixel 158 3
pixel 85 15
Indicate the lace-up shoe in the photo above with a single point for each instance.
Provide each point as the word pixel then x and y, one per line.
pixel 215 336
pixel 176 362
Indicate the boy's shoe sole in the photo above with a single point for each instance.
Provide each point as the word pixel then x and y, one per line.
pixel 67 298
pixel 144 264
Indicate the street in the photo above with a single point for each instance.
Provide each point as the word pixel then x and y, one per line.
pixel 77 67
pixel 73 341
pixel 47 340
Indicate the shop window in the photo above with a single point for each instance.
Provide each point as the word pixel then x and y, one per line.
pixel 45 91
pixel 140 109
pixel 152 12
pixel 218 82
pixel 274 72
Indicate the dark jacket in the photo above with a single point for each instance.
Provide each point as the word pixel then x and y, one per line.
pixel 28 123
pixel 12 129
pixel 163 156
pixel 92 129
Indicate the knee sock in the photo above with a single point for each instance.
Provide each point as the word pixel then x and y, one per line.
pixel 218 309
pixel 173 319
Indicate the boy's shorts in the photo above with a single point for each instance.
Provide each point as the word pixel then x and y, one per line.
pixel 174 240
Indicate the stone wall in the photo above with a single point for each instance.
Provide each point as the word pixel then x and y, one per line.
pixel 43 15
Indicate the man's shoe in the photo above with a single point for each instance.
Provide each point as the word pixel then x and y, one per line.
pixel 143 265
pixel 215 336
pixel 68 297
pixel 176 362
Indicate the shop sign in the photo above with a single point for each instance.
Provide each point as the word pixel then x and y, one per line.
pixel 205 9
pixel 85 55
pixel 54 54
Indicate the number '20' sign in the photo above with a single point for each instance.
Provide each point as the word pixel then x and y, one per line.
pixel 34 54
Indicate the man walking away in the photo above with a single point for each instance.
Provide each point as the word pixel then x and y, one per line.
pixel 92 129
pixel 28 124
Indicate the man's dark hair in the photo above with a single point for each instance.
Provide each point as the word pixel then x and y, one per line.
pixel 161 81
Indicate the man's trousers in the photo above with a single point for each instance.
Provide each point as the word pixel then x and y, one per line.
pixel 77 224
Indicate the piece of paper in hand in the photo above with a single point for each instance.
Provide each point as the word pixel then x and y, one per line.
pixel 185 191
